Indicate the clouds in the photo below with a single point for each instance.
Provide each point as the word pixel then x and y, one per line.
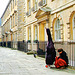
pixel 3 4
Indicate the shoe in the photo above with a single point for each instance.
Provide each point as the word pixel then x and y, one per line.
pixel 62 67
pixel 49 65
pixel 46 66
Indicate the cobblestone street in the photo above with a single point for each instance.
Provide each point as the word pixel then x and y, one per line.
pixel 14 62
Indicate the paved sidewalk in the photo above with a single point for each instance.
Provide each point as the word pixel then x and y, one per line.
pixel 14 62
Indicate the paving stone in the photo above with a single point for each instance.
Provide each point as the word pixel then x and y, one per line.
pixel 14 62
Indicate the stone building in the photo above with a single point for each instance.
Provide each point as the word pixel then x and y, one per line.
pixel 9 25
pixel 59 16
pixel 24 24
pixel 13 24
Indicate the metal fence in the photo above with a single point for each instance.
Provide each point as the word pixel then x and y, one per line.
pixel 23 46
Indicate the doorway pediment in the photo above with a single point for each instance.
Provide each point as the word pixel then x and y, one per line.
pixel 42 11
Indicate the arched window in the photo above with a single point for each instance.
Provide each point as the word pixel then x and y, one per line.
pixel 57 30
pixel 74 27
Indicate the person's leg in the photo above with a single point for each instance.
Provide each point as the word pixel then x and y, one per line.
pixel 61 63
pixel 56 62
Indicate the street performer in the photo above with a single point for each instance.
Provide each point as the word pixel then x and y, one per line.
pixel 50 51
pixel 61 61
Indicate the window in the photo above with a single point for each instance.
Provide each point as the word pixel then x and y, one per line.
pixel 15 2
pixel 29 33
pixel 11 5
pixel 74 27
pixel 57 30
pixel 35 32
pixel 16 37
pixel 35 4
pixel 29 7
pixel 44 2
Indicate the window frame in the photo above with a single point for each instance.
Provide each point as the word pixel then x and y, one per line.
pixel 44 2
pixel 29 33
pixel 73 21
pixel 28 7
pixel 57 30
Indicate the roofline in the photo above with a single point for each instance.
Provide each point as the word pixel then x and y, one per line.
pixel 6 8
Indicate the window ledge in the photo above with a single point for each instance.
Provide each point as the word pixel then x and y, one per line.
pixel 58 41
pixel 71 41
pixel 44 5
pixel 34 11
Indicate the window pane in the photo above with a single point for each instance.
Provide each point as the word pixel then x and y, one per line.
pixel 74 28
pixel 44 1
pixel 57 30
pixel 73 34
pixel 56 35
pixel 29 7
pixel 29 34
pixel 74 21
pixel 59 34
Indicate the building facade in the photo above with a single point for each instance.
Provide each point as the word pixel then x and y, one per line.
pixel 57 15
pixel 24 24
pixel 10 24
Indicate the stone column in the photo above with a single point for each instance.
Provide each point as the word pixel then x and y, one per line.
pixel 68 27
pixel 61 32
pixel 51 29
pixel 38 30
pixel 26 34
pixel 32 36
pixel 47 23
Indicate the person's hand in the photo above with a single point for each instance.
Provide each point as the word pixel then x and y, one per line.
pixel 57 56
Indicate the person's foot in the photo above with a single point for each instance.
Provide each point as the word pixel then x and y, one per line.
pixel 46 66
pixel 63 67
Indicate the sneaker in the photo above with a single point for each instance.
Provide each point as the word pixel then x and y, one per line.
pixel 46 66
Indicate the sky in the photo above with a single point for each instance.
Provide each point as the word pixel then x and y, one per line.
pixel 3 4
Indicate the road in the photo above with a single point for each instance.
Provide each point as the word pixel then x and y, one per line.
pixel 14 62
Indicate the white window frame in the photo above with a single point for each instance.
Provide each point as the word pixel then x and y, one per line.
pixel 35 7
pixel 29 7
pixel 29 33
pixel 44 2
pixel 57 28
pixel 74 27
